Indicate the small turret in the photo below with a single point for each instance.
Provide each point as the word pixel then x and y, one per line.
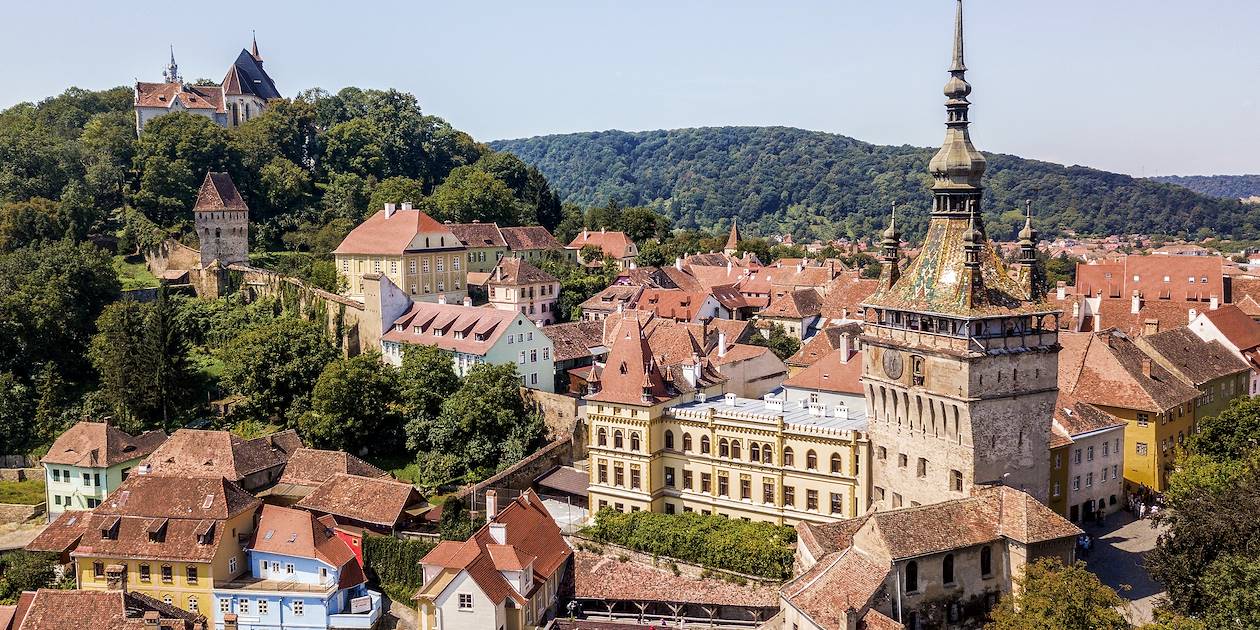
pixel 171 73
pixel 890 252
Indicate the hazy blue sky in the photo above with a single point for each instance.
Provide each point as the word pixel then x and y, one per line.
pixel 1138 86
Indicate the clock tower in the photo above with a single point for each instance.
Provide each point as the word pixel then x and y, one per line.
pixel 961 364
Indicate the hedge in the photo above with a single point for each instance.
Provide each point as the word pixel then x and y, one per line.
pixel 716 542
pixel 395 563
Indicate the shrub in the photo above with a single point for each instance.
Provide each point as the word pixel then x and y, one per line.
pixel 395 563
pixel 759 549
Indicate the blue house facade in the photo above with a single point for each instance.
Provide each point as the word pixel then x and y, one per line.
pixel 301 576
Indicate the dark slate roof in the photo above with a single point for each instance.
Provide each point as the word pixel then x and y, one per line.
pixel 246 76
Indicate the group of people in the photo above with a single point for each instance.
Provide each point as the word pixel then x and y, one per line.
pixel 1143 503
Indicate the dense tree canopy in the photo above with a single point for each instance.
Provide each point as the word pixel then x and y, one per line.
pixel 354 405
pixel 275 366
pixel 1062 597
pixel 1224 186
pixel 778 179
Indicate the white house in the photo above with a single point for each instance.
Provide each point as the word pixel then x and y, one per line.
pixel 504 576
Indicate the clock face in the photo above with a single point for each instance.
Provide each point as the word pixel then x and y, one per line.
pixel 892 364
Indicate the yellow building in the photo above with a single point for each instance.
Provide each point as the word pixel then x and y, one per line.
pixel 666 440
pixel 419 255
pixel 1111 372
pixel 171 538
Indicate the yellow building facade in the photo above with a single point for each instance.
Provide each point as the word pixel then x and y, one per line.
pixel 418 255
pixel 736 457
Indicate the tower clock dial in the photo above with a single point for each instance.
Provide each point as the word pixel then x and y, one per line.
pixel 893 365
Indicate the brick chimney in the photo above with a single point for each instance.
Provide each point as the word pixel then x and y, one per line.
pixel 116 577
pixel 492 504
pixel 467 301
pixel 1146 367
pixel 151 620
pixel 229 621
pixel 441 298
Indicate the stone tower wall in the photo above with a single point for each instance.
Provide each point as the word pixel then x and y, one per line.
pixel 223 235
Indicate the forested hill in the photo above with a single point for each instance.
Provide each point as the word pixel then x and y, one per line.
pixel 785 180
pixel 1224 186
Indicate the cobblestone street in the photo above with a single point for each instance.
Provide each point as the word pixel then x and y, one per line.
pixel 1120 548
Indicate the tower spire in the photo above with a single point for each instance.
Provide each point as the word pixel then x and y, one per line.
pixel 958 66
pixel 890 270
pixel 958 166
pixel 253 47
pixel 171 73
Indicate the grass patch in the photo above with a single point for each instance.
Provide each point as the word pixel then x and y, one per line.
pixel 133 275
pixel 402 467
pixel 29 492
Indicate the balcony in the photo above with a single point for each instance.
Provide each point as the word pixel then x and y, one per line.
pixel 248 583
pixel 366 619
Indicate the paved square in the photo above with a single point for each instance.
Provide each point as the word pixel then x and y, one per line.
pixel 1120 548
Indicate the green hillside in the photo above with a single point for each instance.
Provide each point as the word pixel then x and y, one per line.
pixel 809 183
pixel 1224 186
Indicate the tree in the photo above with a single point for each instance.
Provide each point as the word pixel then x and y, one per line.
pixel 16 407
pixel 276 365
pixel 120 355
pixel 174 153
pixel 470 194
pixel 427 378
pixel 33 222
pixel 485 421
pixel 779 342
pixel 353 406
pixel 1231 435
pixel 1051 595
pixel 456 523
pixel 355 146
pixel 643 224
pixel 396 190
pixel 25 571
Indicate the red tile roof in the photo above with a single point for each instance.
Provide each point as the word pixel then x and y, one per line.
pixel 831 374
pixel 100 445
pixel 1107 369
pixel 675 304
pixel 191 97
pixel 530 536
pixel 198 453
pixel 470 322
pixel 838 582
pixel 298 533
pixel 631 375
pixel 614 244
pixel 403 231
pixel 374 501
pixel 512 271
pixel 312 467
pixel 844 296
pixel 798 304
pixel 1195 360
pixel 605 577
pixel 528 237
pixel 218 192
pixel 1237 326
pixel 477 234
pixel 61 535
pixel 823 343
pixel 54 609
pixel 1146 274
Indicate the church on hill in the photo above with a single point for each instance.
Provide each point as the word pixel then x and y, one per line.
pixel 243 94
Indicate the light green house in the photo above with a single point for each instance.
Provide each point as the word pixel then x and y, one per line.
pixel 88 461
pixel 472 335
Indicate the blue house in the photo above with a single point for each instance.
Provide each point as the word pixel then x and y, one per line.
pixel 301 576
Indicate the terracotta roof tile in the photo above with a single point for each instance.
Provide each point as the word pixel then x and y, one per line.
pixel 477 234
pixel 823 343
pixel 831 374
pixel 614 244
pixel 194 452
pixel 843 580
pixel 843 297
pixel 375 501
pixel 1238 327
pixel 1194 359
pixel 511 271
pixel 1107 369
pixel 53 609
pixel 529 237
pixel 61 535
pixel 403 231
pixel 312 467
pixel 471 322
pixel 573 340
pixel 298 533
pixel 218 192
pixel 606 578
pixel 797 304
pixel 191 97
pixel 100 445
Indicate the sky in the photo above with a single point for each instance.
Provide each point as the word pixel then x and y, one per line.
pixel 1145 87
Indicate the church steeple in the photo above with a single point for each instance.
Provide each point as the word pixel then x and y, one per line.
pixel 171 72
pixel 253 47
pixel 732 241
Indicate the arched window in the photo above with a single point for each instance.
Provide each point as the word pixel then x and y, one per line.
pixel 811 460
pixel 735 454
pixel 947 569
pixel 787 456
pixel 634 441
pixel 986 561
pixel 754 452
pixel 669 439
pixel 602 436
pixel 686 442
pixel 767 453
pixel 618 439
pixel 835 463
pixel 724 448
pixel 704 445
pixel 912 576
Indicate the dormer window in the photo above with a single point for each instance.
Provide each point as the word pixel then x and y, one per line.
pixel 157 530
pixel 205 532
pixel 109 528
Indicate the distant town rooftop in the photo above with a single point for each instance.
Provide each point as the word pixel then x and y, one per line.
pixel 797 415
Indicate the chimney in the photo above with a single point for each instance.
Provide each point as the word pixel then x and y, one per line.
pixel 1136 304
pixel 845 348
pixel 842 412
pixel 406 205
pixel 389 210
pixel 1151 327
pixel 467 301
pixel 498 531
pixel 492 504
pixel 441 298
pixel 229 621
pixel 1146 367
pixel 721 343
pixel 1193 313
pixel 678 263
pixel 1214 303
pixel 151 619
pixel 603 230
pixel 1060 290
pixel 728 267
pixel 585 233
pixel 116 577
